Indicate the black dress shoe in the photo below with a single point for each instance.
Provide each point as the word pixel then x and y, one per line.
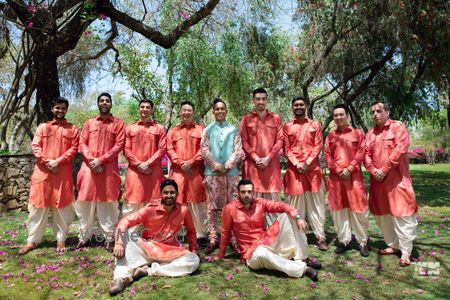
pixel 119 285
pixel 202 242
pixel 341 248
pixel 313 263
pixel 312 274
pixel 364 250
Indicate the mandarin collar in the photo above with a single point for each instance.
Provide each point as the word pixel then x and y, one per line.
pixel 109 118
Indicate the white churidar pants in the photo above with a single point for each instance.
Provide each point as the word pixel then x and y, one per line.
pixel 107 213
pixel 346 222
pixel 199 212
pixel 398 232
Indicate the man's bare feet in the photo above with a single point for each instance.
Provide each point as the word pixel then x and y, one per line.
pixel 388 251
pixel 60 247
pixel 27 248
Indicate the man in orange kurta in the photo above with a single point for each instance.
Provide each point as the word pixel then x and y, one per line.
pixel 272 248
pixel 98 180
pixel 145 145
pixel 54 145
pixel 158 251
pixel 262 139
pixel 183 149
pixel 304 181
pixel 392 198
pixel 344 153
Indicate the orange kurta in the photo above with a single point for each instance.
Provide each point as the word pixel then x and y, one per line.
pixel 183 144
pixel 261 138
pixel 345 149
pixel 248 225
pixel 145 142
pixel 161 230
pixel 102 139
pixel 387 149
pixel 302 143
pixel 54 140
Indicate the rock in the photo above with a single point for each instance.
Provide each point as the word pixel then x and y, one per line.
pixel 12 172
pixel 12 204
pixel 2 208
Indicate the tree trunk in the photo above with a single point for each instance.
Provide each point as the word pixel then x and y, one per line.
pixel 47 83
pixel 3 142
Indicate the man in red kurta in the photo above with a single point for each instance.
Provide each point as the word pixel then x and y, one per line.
pixel 145 145
pixel 262 139
pixel 392 198
pixel 158 250
pixel 273 248
pixel 344 153
pixel 54 145
pixel 183 149
pixel 304 181
pixel 98 180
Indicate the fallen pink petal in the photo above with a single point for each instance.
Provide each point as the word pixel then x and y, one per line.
pixel 312 285
pixel 230 277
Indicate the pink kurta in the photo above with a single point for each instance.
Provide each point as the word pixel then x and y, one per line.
pixel 247 225
pixel 145 142
pixel 102 139
pixel 160 237
pixel 183 144
pixel 261 138
pixel 54 140
pixel 345 149
pixel 387 149
pixel 302 142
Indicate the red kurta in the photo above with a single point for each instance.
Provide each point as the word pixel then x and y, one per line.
pixel 54 140
pixel 183 144
pixel 302 143
pixel 387 149
pixel 345 149
pixel 102 139
pixel 145 142
pixel 161 230
pixel 248 225
pixel 261 138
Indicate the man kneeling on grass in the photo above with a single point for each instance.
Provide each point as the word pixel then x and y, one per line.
pixel 156 252
pixel 273 248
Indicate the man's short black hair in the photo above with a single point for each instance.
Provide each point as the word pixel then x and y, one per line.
pixel 341 105
pixel 218 100
pixel 187 103
pixel 146 100
pixel 167 182
pixel 296 98
pixel 259 91
pixel 385 105
pixel 59 100
pixel 244 182
pixel 104 94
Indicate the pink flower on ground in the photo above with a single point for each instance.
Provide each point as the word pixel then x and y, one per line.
pixel 230 277
pixel 265 288
pixel 133 292
pixel 7 276
pixel 338 281
pixel 312 285
pixel 437 232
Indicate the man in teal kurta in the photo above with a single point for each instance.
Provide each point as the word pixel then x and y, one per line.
pixel 221 148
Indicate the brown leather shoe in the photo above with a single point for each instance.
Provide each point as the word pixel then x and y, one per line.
pixel 27 248
pixel 118 285
pixel 140 272
pixel 313 263
pixel 312 274
pixel 322 244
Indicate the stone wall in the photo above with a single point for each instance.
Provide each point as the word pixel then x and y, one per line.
pixel 15 174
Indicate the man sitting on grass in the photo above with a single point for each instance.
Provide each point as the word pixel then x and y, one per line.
pixel 157 252
pixel 273 248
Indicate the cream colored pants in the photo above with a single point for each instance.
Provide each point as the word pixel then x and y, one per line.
pixel 38 220
pixel 398 232
pixel 107 213
pixel 136 257
pixel 311 205
pixel 199 212
pixel 290 244
pixel 346 222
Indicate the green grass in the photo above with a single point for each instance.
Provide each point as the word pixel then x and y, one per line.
pixel 43 274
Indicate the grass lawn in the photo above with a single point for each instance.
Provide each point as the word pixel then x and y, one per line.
pixel 43 274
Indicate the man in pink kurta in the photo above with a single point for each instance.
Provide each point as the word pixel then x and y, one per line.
pixel 304 181
pixel 145 145
pixel 262 139
pixel 98 180
pixel 54 145
pixel 344 153
pixel 392 198
pixel 183 149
